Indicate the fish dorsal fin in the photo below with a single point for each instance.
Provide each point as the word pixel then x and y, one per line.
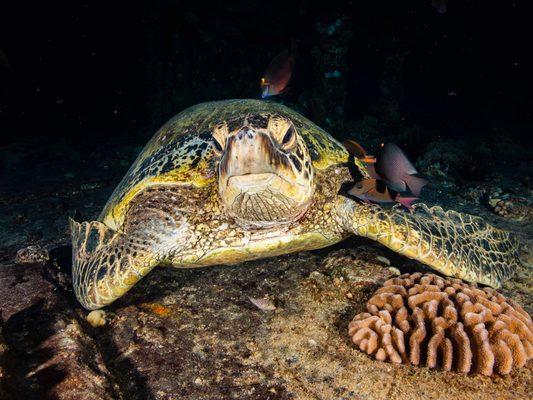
pixel 354 148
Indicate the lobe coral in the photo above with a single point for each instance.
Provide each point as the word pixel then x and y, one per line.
pixel 429 320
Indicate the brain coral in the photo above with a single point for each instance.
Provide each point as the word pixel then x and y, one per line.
pixel 426 319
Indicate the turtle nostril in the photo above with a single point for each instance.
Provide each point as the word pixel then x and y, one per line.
pixel 245 133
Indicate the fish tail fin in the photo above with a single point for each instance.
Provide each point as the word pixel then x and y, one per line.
pixel 407 202
pixel 415 184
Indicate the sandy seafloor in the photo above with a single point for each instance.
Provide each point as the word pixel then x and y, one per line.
pixel 194 334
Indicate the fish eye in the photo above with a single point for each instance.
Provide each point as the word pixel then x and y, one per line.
pixel 359 185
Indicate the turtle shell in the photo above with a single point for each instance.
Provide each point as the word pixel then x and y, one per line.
pixel 182 151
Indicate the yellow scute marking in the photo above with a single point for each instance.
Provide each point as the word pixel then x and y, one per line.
pixel 115 215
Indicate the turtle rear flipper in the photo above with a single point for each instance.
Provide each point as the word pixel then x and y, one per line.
pixel 106 263
pixel 455 244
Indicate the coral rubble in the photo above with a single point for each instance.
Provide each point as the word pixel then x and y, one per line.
pixel 32 255
pixel 429 320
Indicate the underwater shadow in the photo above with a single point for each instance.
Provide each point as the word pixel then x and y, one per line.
pixel 25 332
pixel 123 372
pixel 151 289
pixel 160 280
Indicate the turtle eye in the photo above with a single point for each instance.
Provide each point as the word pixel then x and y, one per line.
pixel 217 146
pixel 289 139
pixel 220 133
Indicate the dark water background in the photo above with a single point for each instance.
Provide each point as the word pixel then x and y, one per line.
pixel 122 69
pixel 85 84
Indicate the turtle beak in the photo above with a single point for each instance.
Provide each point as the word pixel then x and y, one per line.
pixel 252 173
pixel 247 152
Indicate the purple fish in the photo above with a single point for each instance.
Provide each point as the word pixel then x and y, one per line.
pixel 375 191
pixel 394 168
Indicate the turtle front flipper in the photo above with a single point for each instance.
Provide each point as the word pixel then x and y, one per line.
pixel 106 263
pixel 455 244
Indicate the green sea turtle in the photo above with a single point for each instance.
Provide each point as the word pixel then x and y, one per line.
pixel 230 181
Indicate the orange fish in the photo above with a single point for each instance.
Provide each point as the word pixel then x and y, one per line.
pixel 277 75
pixel 376 191
pixel 356 150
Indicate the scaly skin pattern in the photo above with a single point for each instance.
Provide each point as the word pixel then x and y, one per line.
pixel 168 209
pixel 163 226
pixel 215 238
pixel 455 244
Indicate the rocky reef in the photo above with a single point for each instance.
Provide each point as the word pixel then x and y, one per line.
pixel 79 100
pixel 197 334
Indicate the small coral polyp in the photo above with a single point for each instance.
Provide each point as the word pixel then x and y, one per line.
pixel 429 320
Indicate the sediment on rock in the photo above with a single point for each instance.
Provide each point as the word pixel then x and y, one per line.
pixel 49 353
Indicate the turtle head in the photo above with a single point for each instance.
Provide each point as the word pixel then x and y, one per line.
pixel 265 174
